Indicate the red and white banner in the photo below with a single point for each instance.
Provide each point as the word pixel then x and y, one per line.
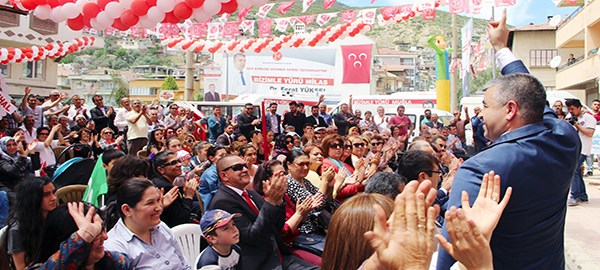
pixel 169 30
pixel 198 30
pixel 282 24
pixel 248 26
pixel 357 63
pixel 389 12
pixel 506 3
pixel 264 10
pixel 242 12
pixel 458 6
pixel 306 4
pixel 368 15
pixel 427 10
pixel 306 19
pixel 405 10
pixel 264 28
pixel 5 106
pixel 328 3
pixel 231 30
pixel 285 6
pixel 109 31
pixel 224 17
pixel 215 30
pixel 475 6
pixel 322 19
pixel 348 16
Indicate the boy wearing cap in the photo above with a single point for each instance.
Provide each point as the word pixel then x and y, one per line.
pixel 220 231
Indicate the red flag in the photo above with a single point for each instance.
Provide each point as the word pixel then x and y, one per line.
pixel 368 15
pixel 505 3
pixel 571 1
pixel 264 28
pixel 389 12
pixel 306 19
pixel 328 3
pixel 109 31
pixel 231 29
pixel 281 24
pixel 428 10
pixel 243 12
pixel 306 4
pixel 285 6
pixel 357 63
pixel 322 19
pixel 264 10
pixel 248 26
pixel 266 145
pixel 405 10
pixel 348 16
pixel 459 6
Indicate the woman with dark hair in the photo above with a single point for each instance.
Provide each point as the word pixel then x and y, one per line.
pixel 35 198
pixel 139 206
pixel 173 144
pixel 333 148
pixel 14 164
pixel 170 132
pixel 346 246
pixel 125 168
pixel 156 142
pixel 241 138
pixel 295 215
pixel 283 145
pixel 73 239
pixel 84 136
pixel 19 136
pixel 248 154
pixel 347 154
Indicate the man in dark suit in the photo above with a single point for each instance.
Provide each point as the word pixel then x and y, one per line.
pixel 273 119
pixel 211 95
pixel 226 138
pixel 344 120
pixel 314 119
pixel 295 118
pixel 261 219
pixel 103 116
pixel 247 121
pixel 533 152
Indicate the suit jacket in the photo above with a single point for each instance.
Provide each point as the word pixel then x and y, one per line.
pixel 316 121
pixel 101 121
pixel 538 161
pixel 222 139
pixel 268 119
pixel 341 121
pixel 208 96
pixel 245 124
pixel 180 211
pixel 259 234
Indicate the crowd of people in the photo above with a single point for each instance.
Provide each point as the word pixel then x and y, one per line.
pixel 306 190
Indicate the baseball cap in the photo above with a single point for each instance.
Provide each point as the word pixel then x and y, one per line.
pixel 183 155
pixel 214 219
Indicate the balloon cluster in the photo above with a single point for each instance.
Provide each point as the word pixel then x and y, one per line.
pixel 274 44
pixel 52 50
pixel 123 14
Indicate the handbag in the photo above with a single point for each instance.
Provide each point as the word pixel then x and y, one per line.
pixel 312 242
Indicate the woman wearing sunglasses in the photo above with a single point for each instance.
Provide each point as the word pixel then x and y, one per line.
pixel 333 148
pixel 139 232
pixel 283 145
pixel 108 142
pixel 170 132
pixel 187 142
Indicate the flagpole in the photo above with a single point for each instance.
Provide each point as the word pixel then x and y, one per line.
pixel 453 79
pixel 493 50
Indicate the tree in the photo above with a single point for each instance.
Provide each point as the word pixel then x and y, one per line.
pixel 199 97
pixel 169 84
pixel 119 94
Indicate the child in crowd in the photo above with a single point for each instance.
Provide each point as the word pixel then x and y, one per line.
pixel 185 159
pixel 220 231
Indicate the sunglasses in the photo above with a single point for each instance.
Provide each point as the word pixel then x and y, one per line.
pixel 189 140
pixel 335 145
pixel 359 145
pixel 108 132
pixel 289 142
pixel 170 132
pixel 44 134
pixel 377 143
pixel 250 108
pixel 302 164
pixel 348 146
pixel 172 163
pixel 237 167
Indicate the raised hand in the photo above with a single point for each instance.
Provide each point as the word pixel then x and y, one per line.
pixel 190 187
pixel 27 91
pixel 305 206
pixel 63 96
pixel 89 224
pixel 275 188
pixel 498 32
pixel 169 198
pixel 119 139
pixel 487 209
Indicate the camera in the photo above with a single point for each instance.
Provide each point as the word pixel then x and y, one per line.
pixel 573 120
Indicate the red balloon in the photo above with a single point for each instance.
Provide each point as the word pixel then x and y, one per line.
pixel 29 4
pixel 86 21
pixel 62 2
pixel 229 7
pixel 170 18
pixel 139 7
pixel 29 55
pixel 119 25
pixel 41 2
pixel 151 3
pixel 90 9
pixel 129 19
pixel 182 11
pixel 102 3
pixel 53 3
pixel 194 3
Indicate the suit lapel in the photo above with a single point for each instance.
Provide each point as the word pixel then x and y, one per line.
pixel 248 211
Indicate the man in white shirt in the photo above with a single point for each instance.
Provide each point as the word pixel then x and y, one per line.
pixel 57 108
pixel 137 124
pixel 154 122
pixel 29 106
pixel 585 125
pixel 239 81
pixel 120 119
pixel 78 108
pixel 381 121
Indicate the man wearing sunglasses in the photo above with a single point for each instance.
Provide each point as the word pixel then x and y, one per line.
pixel 261 219
pixel 295 118
pixel 103 116
pixel 247 121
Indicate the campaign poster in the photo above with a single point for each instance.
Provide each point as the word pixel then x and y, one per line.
pixel 212 83
pixel 289 72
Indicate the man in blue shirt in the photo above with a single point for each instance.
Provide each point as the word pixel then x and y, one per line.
pixel 210 179
pixel 216 125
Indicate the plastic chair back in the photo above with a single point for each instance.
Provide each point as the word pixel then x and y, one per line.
pixel 188 237
pixel 72 193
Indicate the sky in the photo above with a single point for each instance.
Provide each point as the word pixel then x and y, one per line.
pixel 523 13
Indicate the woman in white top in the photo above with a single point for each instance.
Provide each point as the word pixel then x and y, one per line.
pixel 45 144
pixel 140 233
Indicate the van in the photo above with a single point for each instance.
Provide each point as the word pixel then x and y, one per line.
pixel 364 103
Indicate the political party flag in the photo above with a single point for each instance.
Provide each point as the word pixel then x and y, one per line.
pixel 306 4
pixel 368 15
pixel 428 10
pixel 357 63
pixel 285 6
pixel 248 26
pixel 458 6
pixel 348 16
pixel 231 29
pixel 243 12
pixel 96 185
pixel 264 10
pixel 264 28
pixel 389 12
pixel 281 24
pixel 322 19
pixel 328 3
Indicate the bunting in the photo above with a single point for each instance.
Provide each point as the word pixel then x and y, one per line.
pixel 281 24
pixel 248 26
pixel 348 16
pixel 264 28
pixel 285 6
pixel 264 10
pixel 215 30
pixel 322 19
pixel 306 4
pixel 242 13
pixel 231 30
pixel 328 3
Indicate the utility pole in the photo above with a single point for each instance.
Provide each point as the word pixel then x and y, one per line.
pixel 189 75
pixel 453 77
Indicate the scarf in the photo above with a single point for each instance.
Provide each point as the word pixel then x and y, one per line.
pixel 3 142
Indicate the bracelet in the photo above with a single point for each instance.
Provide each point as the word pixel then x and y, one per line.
pixel 91 234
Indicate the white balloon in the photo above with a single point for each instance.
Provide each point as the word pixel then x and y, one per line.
pixel 56 15
pixel 200 14
pixel 155 15
pixel 224 1
pixel 103 19
pixel 166 5
pixel 126 3
pixel 114 10
pixel 211 6
pixel 80 4
pixel 259 3
pixel 18 53
pixel 70 10
pixel 42 12
pixel 244 3
pixel 145 22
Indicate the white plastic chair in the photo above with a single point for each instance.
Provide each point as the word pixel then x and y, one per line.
pixel 188 237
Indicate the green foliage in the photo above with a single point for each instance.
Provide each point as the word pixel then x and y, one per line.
pixel 199 97
pixel 120 93
pixel 69 58
pixel 169 84
pixel 475 85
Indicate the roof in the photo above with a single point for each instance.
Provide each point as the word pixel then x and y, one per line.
pixel 387 51
pixel 535 27
pixel 61 71
pixel 397 67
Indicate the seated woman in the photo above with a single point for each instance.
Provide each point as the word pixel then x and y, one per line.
pixel 333 148
pixel 35 198
pixel 173 144
pixel 156 142
pixel 45 144
pixel 315 156
pixel 108 141
pixel 84 136
pixel 74 239
pixel 187 141
pixel 283 145
pixel 199 152
pixel 14 164
pixel 139 233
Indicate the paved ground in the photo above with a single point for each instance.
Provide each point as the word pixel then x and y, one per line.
pixel 582 232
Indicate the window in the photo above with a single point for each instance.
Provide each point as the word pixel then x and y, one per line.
pixel 541 58
pixel 5 70
pixel 34 70
pixel 550 88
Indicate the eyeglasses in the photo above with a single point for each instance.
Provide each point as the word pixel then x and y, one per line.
pixel 302 164
pixel 55 95
pixel 237 167
pixel 172 163
pixel 348 146
pixel 359 145
pixel 44 134
pixel 250 108
pixel 189 140
pixel 377 143
pixel 438 172
pixel 108 132
pixel 170 132
pixel 335 145
pixel 289 142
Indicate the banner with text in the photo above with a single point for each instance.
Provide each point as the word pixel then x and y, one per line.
pixel 289 72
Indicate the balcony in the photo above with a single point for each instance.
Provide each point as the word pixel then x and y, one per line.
pixel 572 32
pixel 579 74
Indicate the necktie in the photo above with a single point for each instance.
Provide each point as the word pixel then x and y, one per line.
pixel 229 139
pixel 242 75
pixel 245 195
